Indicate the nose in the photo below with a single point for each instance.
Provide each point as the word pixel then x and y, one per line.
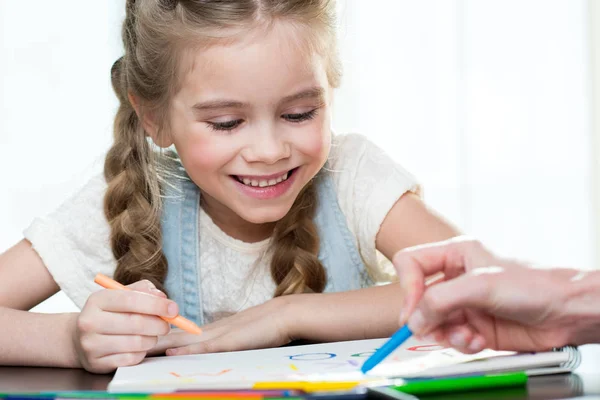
pixel 266 146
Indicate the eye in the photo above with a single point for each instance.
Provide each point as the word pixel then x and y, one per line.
pixel 225 126
pixel 300 117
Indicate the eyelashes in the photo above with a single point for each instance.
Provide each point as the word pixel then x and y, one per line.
pixel 300 117
pixel 234 123
pixel 225 126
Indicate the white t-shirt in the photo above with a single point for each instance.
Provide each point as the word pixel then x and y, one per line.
pixel 73 241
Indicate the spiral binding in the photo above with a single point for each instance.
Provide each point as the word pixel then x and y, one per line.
pixel 574 357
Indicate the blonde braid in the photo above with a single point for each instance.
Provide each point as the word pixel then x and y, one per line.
pixel 132 200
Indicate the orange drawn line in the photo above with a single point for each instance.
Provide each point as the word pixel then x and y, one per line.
pixel 201 374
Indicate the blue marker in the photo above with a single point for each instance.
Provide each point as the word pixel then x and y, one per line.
pixel 388 347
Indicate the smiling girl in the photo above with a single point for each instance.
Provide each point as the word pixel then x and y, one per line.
pixel 225 190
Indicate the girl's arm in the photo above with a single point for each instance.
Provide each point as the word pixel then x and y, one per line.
pixel 360 314
pixel 115 327
pixel 371 312
pixel 409 223
pixel 28 338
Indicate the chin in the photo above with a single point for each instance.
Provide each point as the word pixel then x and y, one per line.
pixel 264 215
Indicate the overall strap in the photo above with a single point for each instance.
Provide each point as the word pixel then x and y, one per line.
pixel 338 250
pixel 181 246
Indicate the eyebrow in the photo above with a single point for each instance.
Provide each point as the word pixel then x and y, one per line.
pixel 316 92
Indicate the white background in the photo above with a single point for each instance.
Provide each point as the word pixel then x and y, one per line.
pixel 487 102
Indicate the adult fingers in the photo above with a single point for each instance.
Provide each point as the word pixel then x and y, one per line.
pixel 414 264
pixel 442 300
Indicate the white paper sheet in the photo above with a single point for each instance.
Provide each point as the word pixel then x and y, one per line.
pixel 322 362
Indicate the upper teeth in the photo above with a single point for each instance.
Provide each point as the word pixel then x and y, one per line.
pixel 264 182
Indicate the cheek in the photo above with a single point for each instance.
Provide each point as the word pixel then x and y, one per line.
pixel 201 154
pixel 316 142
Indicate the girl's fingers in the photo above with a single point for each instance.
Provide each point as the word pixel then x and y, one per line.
pixel 178 338
pixel 113 361
pixel 217 344
pixel 99 346
pixel 111 323
pixel 145 286
pixel 130 301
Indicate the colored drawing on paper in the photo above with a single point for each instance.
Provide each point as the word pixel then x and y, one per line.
pixel 293 362
pixel 426 347
pixel 312 356
pixel 194 374
pixel 365 354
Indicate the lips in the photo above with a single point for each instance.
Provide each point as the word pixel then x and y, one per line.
pixel 264 187
pixel 264 180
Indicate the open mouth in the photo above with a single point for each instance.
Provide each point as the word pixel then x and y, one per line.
pixel 261 183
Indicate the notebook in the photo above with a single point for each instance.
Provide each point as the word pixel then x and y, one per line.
pixel 334 362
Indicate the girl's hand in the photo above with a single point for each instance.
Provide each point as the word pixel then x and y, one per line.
pixel 117 327
pixel 262 326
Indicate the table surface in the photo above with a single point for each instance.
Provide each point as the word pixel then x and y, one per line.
pixel 584 383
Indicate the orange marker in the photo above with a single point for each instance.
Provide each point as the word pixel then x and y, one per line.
pixel 178 321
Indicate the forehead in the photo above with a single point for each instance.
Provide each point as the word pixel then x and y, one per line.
pixel 262 63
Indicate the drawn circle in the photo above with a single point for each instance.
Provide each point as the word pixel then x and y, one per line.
pixel 363 354
pixel 426 347
pixel 312 356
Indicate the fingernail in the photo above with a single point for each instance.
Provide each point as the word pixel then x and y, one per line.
pixel 402 317
pixel 457 340
pixel 158 292
pixel 417 321
pixel 171 352
pixel 429 338
pixel 173 309
pixel 476 345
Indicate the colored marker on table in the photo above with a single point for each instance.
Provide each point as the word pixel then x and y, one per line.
pixel 388 347
pixel 307 386
pixel 178 321
pixel 463 383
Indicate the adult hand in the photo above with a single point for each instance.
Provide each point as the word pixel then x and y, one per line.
pixel 484 301
pixel 117 327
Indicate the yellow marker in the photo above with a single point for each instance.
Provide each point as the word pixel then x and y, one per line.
pixel 307 386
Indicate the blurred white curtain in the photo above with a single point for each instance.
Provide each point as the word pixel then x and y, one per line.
pixel 487 103
pixel 56 106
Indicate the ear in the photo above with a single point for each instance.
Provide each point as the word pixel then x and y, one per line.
pixel 149 124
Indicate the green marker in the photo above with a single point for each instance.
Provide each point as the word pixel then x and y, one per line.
pixel 449 385
pixel 463 384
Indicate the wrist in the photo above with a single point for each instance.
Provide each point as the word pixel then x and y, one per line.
pixel 71 352
pixel 581 306
pixel 292 310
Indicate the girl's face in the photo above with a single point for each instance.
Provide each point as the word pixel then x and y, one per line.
pixel 251 123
